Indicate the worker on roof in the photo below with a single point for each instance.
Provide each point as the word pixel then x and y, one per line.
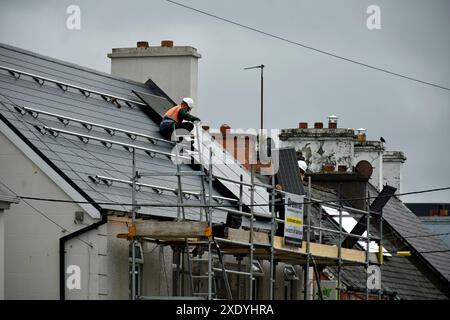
pixel 174 117
pixel 302 166
pixel 279 198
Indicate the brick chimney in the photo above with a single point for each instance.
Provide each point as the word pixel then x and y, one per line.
pixel 173 68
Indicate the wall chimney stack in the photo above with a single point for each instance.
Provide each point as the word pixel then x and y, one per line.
pixel 173 68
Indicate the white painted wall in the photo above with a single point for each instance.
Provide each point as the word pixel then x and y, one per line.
pixel 321 151
pixel 374 159
pixel 157 267
pixel 392 173
pixel 32 241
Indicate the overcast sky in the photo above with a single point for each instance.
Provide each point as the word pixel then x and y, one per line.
pixel 300 85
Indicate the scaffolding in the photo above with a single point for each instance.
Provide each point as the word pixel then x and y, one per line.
pixel 250 243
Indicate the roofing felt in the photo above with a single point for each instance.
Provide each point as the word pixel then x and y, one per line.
pixel 75 160
pixel 407 276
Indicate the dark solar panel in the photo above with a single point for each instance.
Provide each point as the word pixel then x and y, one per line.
pixel 288 175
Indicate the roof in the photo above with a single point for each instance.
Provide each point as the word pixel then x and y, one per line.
pixel 408 225
pixel 78 163
pixel 405 276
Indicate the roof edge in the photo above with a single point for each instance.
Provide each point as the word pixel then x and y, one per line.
pixel 49 168
pixel 69 64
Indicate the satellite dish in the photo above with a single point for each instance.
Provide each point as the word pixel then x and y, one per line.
pixel 364 169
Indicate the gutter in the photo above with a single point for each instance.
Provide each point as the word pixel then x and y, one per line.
pixel 62 251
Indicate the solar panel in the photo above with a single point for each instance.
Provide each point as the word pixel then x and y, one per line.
pixel 288 175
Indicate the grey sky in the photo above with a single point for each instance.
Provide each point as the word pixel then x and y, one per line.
pixel 301 85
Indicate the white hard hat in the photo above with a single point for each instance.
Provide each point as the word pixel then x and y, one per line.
pixel 302 165
pixel 189 102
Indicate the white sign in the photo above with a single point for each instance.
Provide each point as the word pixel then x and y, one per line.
pixel 374 277
pixel 293 220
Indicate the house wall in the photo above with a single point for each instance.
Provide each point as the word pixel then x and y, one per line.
pixel 32 240
pixel 339 147
pixel 321 151
pixel 156 270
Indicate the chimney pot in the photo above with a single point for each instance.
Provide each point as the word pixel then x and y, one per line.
pixel 142 44
pixel 328 167
pixel 303 125
pixel 224 129
pixel 318 125
pixel 342 168
pixel 332 122
pixel 361 135
pixel 167 43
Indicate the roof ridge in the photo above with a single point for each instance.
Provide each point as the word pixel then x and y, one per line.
pixel 70 64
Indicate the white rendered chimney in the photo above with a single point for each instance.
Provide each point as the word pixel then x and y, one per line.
pixel 173 68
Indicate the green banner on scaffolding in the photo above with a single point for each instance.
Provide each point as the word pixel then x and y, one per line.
pixel 293 219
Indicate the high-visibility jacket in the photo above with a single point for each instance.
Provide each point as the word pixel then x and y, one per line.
pixel 172 114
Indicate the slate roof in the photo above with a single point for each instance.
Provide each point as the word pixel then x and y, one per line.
pixel 74 160
pixel 409 226
pixel 407 276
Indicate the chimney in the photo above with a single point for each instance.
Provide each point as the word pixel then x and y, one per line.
pixel 318 125
pixel 332 122
pixel 303 125
pixel 173 68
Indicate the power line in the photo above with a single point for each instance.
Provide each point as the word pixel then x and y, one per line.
pixel 44 215
pixel 171 205
pixel 434 251
pixel 24 198
pixel 308 47
pixel 419 236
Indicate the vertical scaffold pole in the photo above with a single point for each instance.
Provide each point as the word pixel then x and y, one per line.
pixel 272 235
pixel 209 215
pixel 308 236
pixel 252 200
pixel 340 252
pixel 133 221
pixel 380 253
pixel 202 181
pixel 368 243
